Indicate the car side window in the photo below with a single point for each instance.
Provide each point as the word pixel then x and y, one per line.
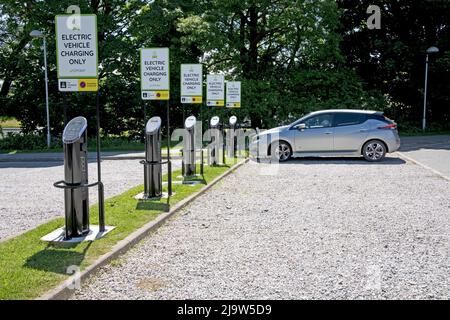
pixel 319 121
pixel 348 119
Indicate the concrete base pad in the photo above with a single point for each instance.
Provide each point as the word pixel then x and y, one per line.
pixel 192 183
pixel 141 196
pixel 58 235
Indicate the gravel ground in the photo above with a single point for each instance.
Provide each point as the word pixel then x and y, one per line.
pixel 333 229
pixel 28 198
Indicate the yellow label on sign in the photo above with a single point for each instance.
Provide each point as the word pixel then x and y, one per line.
pixel 197 99
pixel 161 95
pixel 155 95
pixel 215 103
pixel 87 84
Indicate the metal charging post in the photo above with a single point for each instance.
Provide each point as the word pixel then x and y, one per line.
pixel 189 163
pixel 231 133
pixel 215 152
pixel 152 162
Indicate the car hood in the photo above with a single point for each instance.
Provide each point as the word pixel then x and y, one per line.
pixel 274 130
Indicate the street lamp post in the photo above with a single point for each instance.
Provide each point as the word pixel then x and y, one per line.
pixel 40 34
pixel 430 50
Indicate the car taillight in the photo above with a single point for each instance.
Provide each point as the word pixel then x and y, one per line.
pixel 389 126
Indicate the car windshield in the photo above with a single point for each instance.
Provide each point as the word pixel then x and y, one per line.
pixel 301 120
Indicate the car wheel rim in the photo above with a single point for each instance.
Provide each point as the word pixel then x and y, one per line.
pixel 282 152
pixel 374 151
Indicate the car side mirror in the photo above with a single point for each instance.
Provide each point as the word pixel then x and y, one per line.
pixel 301 127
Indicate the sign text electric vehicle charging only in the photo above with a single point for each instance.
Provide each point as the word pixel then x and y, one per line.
pixel 215 90
pixel 155 74
pixel 191 83
pixel 77 53
pixel 233 94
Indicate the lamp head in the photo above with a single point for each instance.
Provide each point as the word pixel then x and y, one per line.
pixel 432 50
pixel 36 34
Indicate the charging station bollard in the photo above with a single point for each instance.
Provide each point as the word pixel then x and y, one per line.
pixel 215 151
pixel 231 138
pixel 152 163
pixel 76 198
pixel 189 165
pixel 76 186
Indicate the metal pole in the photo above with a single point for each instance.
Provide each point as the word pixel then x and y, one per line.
pixel 46 94
pixel 169 163
pixel 65 107
pixel 145 118
pixel 424 120
pixel 101 196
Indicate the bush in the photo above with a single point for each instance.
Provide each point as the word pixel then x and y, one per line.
pixel 17 141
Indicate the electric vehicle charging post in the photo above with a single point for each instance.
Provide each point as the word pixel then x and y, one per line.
pixel 75 185
pixel 76 201
pixel 231 137
pixel 215 150
pixel 189 163
pixel 152 163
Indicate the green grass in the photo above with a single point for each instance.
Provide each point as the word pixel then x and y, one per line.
pixel 30 267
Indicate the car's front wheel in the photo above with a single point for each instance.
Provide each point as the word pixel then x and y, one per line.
pixel 374 150
pixel 281 151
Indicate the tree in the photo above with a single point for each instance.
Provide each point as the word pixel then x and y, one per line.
pixel 392 59
pixel 285 52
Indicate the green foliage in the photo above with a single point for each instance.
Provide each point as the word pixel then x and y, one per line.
pixel 286 53
pixel 15 141
pixel 392 59
pixel 292 57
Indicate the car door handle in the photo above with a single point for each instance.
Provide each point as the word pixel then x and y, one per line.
pixel 328 132
pixel 363 130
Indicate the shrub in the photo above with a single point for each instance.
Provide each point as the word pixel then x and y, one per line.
pixel 17 141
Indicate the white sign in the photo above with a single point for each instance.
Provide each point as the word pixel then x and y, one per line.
pixel 215 90
pixel 233 94
pixel 155 74
pixel 76 47
pixel 191 83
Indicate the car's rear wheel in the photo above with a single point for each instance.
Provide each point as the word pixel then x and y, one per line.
pixel 281 151
pixel 374 150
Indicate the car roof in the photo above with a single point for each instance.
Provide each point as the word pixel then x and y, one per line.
pixel 347 111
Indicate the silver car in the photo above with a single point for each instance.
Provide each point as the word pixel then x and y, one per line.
pixel 330 133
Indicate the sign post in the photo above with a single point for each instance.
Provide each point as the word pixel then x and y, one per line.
pixel 155 76
pixel 155 85
pixel 233 94
pixel 77 68
pixel 192 83
pixel 215 90
pixel 77 53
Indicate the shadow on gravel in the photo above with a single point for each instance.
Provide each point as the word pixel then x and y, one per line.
pixel 57 258
pixel 338 160
pixel 342 160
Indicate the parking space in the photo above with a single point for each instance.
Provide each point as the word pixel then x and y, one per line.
pixel 311 228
